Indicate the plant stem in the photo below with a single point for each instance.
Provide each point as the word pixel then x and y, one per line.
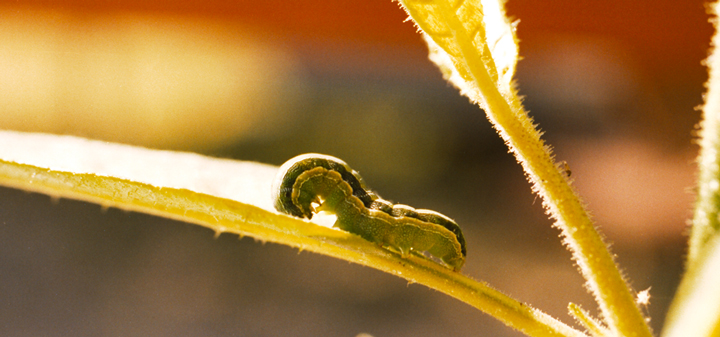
pixel 590 323
pixel 695 310
pixel 589 251
pixel 705 223
pixel 508 117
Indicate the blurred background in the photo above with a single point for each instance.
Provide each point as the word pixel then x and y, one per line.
pixel 614 84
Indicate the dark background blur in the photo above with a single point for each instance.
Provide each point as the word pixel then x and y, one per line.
pixel 614 84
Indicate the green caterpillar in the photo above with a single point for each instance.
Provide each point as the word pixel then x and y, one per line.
pixel 311 183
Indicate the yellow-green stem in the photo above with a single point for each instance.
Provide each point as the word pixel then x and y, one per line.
pixel 695 310
pixel 589 251
pixel 706 224
pixel 594 327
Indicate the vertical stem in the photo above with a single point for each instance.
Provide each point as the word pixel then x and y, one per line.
pixel 706 224
pixel 695 310
pixel 589 251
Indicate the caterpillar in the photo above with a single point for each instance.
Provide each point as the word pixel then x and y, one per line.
pixel 310 183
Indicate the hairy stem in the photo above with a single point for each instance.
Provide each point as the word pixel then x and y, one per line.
pixel 442 23
pixel 705 223
pixel 695 310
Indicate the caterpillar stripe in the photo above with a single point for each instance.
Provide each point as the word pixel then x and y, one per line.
pixel 311 183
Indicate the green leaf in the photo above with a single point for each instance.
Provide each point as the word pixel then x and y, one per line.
pixel 226 196
pixel 454 27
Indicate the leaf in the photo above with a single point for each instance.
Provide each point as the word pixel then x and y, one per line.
pixel 226 196
pixel 241 181
pixel 223 195
pixel 480 32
